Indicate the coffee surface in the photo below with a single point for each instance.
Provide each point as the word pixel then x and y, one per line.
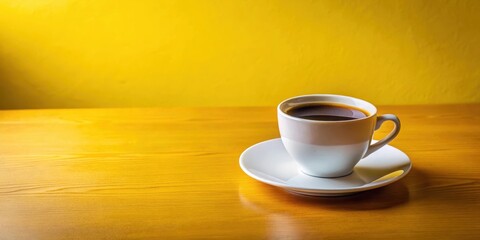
pixel 326 112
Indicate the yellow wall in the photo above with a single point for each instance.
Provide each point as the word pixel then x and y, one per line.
pixel 108 53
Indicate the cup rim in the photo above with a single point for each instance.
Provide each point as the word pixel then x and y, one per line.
pixel 371 114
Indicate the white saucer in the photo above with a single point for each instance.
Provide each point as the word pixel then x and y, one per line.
pixel 270 163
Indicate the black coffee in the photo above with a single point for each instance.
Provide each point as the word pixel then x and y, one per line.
pixel 326 112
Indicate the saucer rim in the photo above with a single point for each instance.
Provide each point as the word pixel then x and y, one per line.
pixel 366 187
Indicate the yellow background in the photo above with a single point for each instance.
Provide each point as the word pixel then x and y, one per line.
pixel 112 53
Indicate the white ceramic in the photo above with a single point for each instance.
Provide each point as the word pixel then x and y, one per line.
pixel 331 148
pixel 270 163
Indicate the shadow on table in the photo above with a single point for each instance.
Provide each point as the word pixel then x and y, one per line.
pixel 283 212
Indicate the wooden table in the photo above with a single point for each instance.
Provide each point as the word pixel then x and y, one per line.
pixel 174 173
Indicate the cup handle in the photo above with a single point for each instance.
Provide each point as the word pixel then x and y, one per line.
pixel 380 119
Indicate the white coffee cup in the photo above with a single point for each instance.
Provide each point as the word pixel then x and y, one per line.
pixel 331 148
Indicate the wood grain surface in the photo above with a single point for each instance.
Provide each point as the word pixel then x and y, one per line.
pixel 173 173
